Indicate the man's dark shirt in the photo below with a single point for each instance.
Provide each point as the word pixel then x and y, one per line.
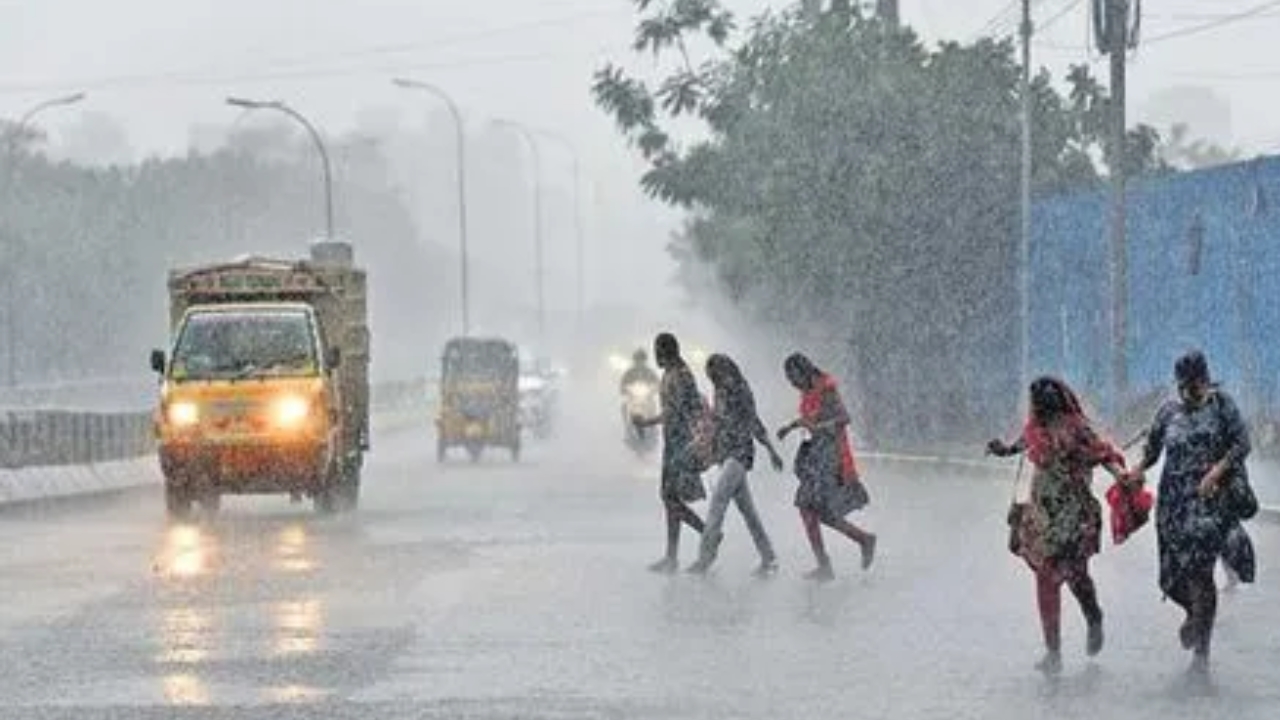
pixel 681 406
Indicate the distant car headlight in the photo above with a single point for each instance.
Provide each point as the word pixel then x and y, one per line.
pixel 290 412
pixel 183 414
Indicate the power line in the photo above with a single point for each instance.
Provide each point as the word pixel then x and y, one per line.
pixel 279 67
pixel 1060 14
pixel 1215 24
pixel 399 48
pixel 1001 17
pixel 196 80
pixel 1193 16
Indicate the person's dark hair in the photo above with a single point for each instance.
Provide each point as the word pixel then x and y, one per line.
pixel 1191 368
pixel 1052 398
pixel 666 348
pixel 801 371
pixel 724 372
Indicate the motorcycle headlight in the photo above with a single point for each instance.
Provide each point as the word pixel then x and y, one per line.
pixel 183 414
pixel 291 411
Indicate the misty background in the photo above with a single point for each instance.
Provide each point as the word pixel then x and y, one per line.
pixel 152 170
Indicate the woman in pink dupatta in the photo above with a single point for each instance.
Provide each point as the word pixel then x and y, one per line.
pixel 1065 523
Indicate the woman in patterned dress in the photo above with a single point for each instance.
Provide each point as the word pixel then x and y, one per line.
pixel 1065 524
pixel 830 487
pixel 1203 439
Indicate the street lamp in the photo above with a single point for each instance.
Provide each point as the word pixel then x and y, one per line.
pixel 461 178
pixel 280 106
pixel 12 135
pixel 529 140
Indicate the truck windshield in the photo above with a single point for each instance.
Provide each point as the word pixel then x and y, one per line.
pixel 221 345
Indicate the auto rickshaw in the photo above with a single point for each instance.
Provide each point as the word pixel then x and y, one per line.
pixel 479 397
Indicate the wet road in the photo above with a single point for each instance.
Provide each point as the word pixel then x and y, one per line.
pixel 520 591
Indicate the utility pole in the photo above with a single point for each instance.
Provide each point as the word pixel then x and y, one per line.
pixel 1024 247
pixel 887 10
pixel 1114 40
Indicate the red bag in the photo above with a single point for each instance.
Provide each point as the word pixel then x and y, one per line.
pixel 1130 510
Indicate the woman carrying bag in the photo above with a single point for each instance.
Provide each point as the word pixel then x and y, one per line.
pixel 1204 494
pixel 1059 529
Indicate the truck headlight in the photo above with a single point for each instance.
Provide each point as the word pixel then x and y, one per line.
pixel 290 412
pixel 183 414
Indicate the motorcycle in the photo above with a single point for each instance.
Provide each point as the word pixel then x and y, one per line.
pixel 639 400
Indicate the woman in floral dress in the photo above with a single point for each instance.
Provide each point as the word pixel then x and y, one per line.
pixel 1065 521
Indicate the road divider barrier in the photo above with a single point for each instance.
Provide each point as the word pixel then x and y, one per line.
pixel 45 438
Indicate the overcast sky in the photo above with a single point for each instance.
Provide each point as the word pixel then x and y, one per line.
pixel 163 66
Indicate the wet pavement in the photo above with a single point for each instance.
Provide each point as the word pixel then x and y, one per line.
pixel 503 591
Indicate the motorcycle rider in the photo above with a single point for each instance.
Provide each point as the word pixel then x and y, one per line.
pixel 639 372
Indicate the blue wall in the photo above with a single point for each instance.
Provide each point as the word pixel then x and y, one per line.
pixel 1229 308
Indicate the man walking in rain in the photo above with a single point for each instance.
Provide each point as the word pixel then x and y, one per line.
pixel 681 483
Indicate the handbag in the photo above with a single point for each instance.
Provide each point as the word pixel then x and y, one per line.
pixel 1236 498
pixel 1238 501
pixel 1019 513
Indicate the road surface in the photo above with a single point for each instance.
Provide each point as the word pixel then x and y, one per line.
pixel 503 591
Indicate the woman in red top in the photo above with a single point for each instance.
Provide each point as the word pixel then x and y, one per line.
pixel 1065 523
pixel 829 488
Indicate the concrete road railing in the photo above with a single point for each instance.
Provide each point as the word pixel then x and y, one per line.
pixel 48 438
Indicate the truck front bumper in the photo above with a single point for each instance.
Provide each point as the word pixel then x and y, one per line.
pixel 246 467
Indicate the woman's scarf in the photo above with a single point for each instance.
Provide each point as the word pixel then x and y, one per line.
pixel 811 402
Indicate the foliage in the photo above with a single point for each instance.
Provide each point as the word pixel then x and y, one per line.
pixel 854 179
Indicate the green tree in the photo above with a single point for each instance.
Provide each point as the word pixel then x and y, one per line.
pixel 858 183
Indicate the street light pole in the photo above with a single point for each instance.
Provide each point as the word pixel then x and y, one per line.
pixel 539 274
pixel 1024 246
pixel 461 179
pixel 12 135
pixel 280 106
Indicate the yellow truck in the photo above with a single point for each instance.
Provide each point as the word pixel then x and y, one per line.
pixel 265 388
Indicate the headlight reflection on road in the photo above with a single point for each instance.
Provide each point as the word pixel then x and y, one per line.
pixel 185 635
pixel 187 552
pixel 297 694
pixel 292 550
pixel 185 689
pixel 297 626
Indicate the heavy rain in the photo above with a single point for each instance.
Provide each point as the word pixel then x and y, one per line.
pixel 639 359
